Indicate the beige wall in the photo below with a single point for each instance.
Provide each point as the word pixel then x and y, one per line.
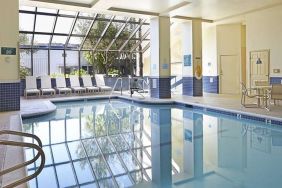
pixel 9 33
pixel 264 31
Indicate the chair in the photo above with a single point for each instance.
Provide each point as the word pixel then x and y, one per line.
pixel 31 86
pixel 61 86
pixel 87 83
pixel 75 85
pixel 247 93
pixel 276 92
pixel 46 86
pixel 100 82
pixel 261 83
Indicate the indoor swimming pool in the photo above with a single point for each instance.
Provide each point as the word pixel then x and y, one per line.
pixel 122 144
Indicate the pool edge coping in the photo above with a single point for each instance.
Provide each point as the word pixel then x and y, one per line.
pixel 268 119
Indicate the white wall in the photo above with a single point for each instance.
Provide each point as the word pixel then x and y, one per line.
pixel 209 50
pixel 264 31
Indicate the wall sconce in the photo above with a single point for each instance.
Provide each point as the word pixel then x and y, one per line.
pixel 259 61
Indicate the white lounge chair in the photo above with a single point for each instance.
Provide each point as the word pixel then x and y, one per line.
pixel 87 83
pixel 75 85
pixel 46 86
pixel 100 82
pixel 31 86
pixel 61 86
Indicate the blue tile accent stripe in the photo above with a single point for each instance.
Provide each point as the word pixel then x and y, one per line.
pixel 9 96
pixel 211 84
pixel 192 86
pixel 162 89
pixel 275 80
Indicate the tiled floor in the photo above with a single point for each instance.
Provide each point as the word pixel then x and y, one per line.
pixel 9 156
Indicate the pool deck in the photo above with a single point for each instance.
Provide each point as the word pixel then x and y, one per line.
pixel 39 106
pixel 231 103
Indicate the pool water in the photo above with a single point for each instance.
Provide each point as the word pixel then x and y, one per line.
pixel 122 144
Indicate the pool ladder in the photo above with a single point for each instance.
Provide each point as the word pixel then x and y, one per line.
pixel 40 153
pixel 144 82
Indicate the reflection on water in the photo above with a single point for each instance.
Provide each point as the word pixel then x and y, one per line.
pixel 119 144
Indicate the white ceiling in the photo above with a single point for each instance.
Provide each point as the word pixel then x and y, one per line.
pixel 206 9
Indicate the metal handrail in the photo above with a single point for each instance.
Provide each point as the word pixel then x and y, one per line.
pixel 121 84
pixel 40 153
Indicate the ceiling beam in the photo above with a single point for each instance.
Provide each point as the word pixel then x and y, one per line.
pixel 134 11
pixel 132 34
pixel 79 17
pixel 103 33
pixel 88 31
pixel 53 28
pixel 146 48
pixel 33 29
pixel 85 5
pixel 175 7
pixel 141 40
pixel 192 18
pixel 118 34
pixel 72 28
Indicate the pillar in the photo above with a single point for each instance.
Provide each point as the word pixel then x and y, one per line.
pixel 9 56
pixel 160 57
pixel 193 144
pixel 192 59
pixel 161 147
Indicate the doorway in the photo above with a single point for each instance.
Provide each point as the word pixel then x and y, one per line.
pixel 229 74
pixel 259 66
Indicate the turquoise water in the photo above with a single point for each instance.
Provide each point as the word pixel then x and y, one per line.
pixel 122 144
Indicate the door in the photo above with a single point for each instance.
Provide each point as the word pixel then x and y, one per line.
pixel 229 74
pixel 259 66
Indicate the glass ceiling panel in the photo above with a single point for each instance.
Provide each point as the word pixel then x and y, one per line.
pixel 44 23
pixel 108 37
pixel 26 22
pixel 59 40
pixel 47 10
pixel 86 14
pixel 75 42
pixel 28 8
pixel 67 12
pixel 63 25
pixel 94 34
pixel 144 29
pixel 89 43
pixel 25 39
pixel 117 44
pixel 41 39
pixel 81 26
pixel 105 16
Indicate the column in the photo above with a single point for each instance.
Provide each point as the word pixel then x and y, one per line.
pixel 193 144
pixel 9 56
pixel 161 147
pixel 192 59
pixel 160 57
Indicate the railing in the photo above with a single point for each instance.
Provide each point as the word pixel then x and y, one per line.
pixel 115 85
pixel 40 153
pixel 141 85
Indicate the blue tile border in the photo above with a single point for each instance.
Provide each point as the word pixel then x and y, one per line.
pixel 9 96
pixel 192 86
pixel 162 89
pixel 275 80
pixel 211 84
